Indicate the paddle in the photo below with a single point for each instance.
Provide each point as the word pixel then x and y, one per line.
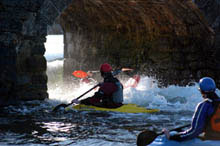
pixel 65 105
pixel 148 136
pixel 127 69
pixel 81 74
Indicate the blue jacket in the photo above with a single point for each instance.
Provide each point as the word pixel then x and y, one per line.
pixel 203 112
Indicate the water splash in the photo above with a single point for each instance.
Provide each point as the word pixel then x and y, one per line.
pixel 172 98
pixel 147 93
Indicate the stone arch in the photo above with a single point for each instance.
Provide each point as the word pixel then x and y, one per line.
pixel 23 30
pixel 164 39
pixel 24 24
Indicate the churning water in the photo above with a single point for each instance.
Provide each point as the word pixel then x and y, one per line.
pixel 33 123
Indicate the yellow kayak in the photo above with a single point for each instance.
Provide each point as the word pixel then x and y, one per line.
pixel 126 108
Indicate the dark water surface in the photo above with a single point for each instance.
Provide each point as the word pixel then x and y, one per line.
pixel 33 123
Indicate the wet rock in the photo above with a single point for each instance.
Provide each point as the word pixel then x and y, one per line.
pixel 23 31
pixel 169 40
pixel 162 39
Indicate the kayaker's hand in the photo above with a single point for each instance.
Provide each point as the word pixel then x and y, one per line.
pixel 89 73
pixel 100 84
pixel 116 72
pixel 75 101
pixel 166 132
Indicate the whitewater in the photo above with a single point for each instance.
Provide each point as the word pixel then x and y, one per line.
pixel 176 104
pixel 147 93
pixel 34 123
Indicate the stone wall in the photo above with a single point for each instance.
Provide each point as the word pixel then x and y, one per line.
pixel 23 31
pixel 55 29
pixel 211 11
pixel 169 40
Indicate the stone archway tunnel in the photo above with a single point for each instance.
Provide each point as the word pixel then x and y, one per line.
pixel 169 40
pixel 23 27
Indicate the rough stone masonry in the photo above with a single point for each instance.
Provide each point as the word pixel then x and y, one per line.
pixel 174 50
pixel 23 30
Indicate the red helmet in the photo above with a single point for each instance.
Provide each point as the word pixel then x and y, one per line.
pixel 105 68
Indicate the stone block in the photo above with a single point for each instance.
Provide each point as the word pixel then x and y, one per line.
pixel 36 63
pixel 7 61
pixel 39 87
pixel 49 12
pixel 39 78
pixel 38 49
pixel 23 80
pixel 14 14
pixel 32 95
pixel 10 25
pixel 61 4
pixel 7 51
pixel 31 5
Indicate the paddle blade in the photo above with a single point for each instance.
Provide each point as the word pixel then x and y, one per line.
pixel 127 69
pixel 146 137
pixel 60 106
pixel 80 74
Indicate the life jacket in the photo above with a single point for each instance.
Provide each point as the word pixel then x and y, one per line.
pixel 212 131
pixel 117 96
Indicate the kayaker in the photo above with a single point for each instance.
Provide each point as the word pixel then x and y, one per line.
pixel 206 118
pixel 88 78
pixel 110 93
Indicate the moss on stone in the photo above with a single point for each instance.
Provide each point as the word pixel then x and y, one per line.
pixel 151 34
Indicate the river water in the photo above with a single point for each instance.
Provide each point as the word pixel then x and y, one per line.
pixel 34 123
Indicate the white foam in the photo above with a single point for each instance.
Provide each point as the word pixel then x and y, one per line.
pixel 171 98
pixel 146 94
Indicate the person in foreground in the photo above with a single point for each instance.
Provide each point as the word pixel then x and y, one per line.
pixel 206 118
pixel 110 93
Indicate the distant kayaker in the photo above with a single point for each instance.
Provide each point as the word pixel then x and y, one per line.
pixel 110 93
pixel 88 78
pixel 206 118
